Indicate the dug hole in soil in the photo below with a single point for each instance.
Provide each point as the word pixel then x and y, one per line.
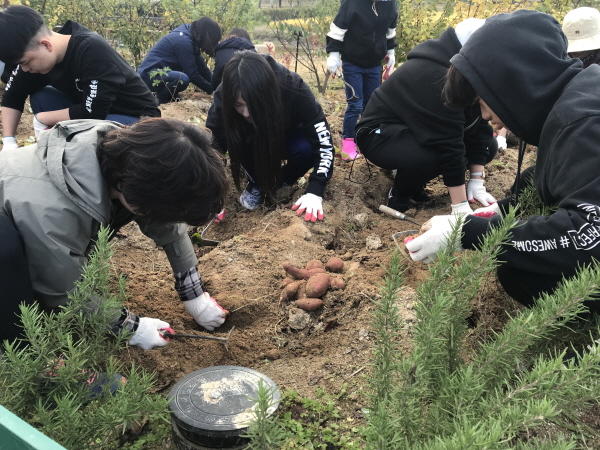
pixel 244 273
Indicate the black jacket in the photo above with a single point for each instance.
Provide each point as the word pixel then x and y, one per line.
pixel 412 96
pixel 302 111
pixel 364 43
pixel 557 109
pixel 177 51
pixel 92 75
pixel 223 54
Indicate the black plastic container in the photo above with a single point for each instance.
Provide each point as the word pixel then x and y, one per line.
pixel 212 407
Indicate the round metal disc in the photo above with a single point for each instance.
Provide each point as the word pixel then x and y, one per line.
pixel 218 400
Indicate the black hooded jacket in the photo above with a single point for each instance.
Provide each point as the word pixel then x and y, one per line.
pixel 547 99
pixel 366 22
pixel 92 75
pixel 223 53
pixel 413 96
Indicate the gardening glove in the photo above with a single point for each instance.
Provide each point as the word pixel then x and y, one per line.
pixel 38 126
pixel 425 247
pixel 390 59
pixel 476 191
pixel 148 334
pixel 9 143
pixel 312 204
pixel 333 63
pixel 488 211
pixel 220 216
pixel 462 208
pixel 501 142
pixel 206 311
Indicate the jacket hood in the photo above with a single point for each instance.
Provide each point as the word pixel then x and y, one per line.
pixel 185 29
pixel 518 64
pixel 237 43
pixel 439 50
pixel 69 151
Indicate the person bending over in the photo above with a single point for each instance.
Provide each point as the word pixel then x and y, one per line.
pixel 82 174
pixel 238 39
pixel 180 51
pixel 263 114
pixel 556 109
pixel 406 127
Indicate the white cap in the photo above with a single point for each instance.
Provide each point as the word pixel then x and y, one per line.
pixel 582 28
pixel 466 28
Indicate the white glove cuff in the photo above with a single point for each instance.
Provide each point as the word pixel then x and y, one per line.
pixel 501 142
pixel 461 208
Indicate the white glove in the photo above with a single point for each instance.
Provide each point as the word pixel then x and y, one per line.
pixel 476 191
pixel 312 204
pixel 333 63
pixel 462 208
pixel 488 211
pixel 425 247
pixel 9 143
pixel 38 126
pixel 206 311
pixel 501 142
pixel 148 336
pixel 390 59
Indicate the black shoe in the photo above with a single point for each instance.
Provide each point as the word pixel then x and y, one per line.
pixel 399 203
pixel 421 196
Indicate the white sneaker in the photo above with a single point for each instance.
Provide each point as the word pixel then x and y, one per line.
pixel 251 200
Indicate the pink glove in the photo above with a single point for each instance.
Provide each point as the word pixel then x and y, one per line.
pixel 206 311
pixel 425 247
pixel 488 211
pixel 220 216
pixel 148 334
pixel 312 204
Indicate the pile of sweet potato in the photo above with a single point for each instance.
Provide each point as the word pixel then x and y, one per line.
pixel 307 286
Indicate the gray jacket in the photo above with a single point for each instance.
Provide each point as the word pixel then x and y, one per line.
pixel 55 195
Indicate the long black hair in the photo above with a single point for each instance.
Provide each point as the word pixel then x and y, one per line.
pixel 206 34
pixel 249 75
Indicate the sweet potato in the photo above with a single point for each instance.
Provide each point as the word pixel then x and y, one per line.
pixel 315 271
pixel 286 281
pixel 337 283
pixel 335 265
pixel 295 272
pixel 313 264
pixel 317 285
pixel 309 304
pixel 289 292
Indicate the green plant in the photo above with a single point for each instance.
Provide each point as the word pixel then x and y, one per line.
pixel 444 395
pixel 265 432
pixel 156 76
pixel 530 203
pixel 44 376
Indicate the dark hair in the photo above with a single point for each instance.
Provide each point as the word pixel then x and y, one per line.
pixel 166 169
pixel 206 34
pixel 458 91
pixel 248 74
pixel 240 32
pixel 19 25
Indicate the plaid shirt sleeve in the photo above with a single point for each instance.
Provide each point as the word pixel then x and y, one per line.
pixel 188 284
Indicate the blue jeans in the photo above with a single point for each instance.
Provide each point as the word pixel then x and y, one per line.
pixel 299 156
pixel 364 81
pixel 169 85
pixel 51 99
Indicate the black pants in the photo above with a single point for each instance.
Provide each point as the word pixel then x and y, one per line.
pixel 525 287
pixel 15 282
pixel 395 147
